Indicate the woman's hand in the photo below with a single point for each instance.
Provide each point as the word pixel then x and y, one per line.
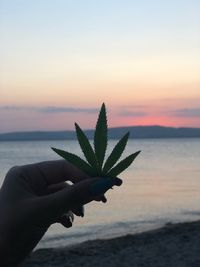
pixel 35 196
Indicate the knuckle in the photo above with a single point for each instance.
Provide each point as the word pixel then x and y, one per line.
pixel 14 172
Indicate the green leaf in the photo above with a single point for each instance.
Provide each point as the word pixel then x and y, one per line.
pixel 75 160
pixel 100 136
pixel 116 153
pixel 122 165
pixel 95 157
pixel 86 147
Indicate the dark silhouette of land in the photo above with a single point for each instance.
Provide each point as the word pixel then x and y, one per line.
pixel 113 133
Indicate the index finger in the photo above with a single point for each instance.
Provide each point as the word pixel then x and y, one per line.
pixel 57 171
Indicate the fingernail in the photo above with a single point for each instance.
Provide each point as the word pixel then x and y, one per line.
pixel 116 181
pixel 82 211
pixel 69 224
pixel 101 186
pixel 70 219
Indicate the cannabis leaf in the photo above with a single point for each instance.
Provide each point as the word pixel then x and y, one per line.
pixel 74 159
pixel 86 147
pixel 100 136
pixel 122 165
pixel 94 164
pixel 116 153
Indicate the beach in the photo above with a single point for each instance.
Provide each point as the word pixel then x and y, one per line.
pixel 174 245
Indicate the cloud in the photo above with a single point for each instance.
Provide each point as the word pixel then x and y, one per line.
pixel 128 113
pixel 14 108
pixel 133 110
pixel 134 106
pixel 185 112
pixel 50 109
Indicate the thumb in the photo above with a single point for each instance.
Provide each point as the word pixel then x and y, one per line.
pixel 78 194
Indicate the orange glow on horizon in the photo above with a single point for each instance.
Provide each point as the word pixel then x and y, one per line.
pixel 157 120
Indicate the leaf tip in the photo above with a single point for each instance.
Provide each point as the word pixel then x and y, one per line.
pixel 138 152
pixel 127 134
pixel 103 107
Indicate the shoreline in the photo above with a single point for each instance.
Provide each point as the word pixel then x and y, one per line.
pixel 175 245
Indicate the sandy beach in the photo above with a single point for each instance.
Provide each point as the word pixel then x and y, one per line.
pixel 175 245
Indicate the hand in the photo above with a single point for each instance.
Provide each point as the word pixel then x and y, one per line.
pixel 35 196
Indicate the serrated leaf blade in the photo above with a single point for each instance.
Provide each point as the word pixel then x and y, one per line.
pixel 75 160
pixel 116 153
pixel 100 136
pixel 86 147
pixel 122 165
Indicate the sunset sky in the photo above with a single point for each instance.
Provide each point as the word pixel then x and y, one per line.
pixel 59 60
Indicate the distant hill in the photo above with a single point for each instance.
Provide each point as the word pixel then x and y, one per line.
pixel 113 133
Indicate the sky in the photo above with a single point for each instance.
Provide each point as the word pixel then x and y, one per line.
pixel 60 60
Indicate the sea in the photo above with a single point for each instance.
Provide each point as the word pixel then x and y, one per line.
pixel 162 186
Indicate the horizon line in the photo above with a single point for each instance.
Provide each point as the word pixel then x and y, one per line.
pixel 129 126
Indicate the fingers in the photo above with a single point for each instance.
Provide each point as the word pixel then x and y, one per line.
pixel 76 195
pixel 57 171
pixel 66 219
pixel 78 211
pixel 57 187
pixel 101 198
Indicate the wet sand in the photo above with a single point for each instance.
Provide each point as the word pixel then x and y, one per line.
pixel 175 245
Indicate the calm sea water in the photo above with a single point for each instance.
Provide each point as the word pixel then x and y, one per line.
pixel 163 185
